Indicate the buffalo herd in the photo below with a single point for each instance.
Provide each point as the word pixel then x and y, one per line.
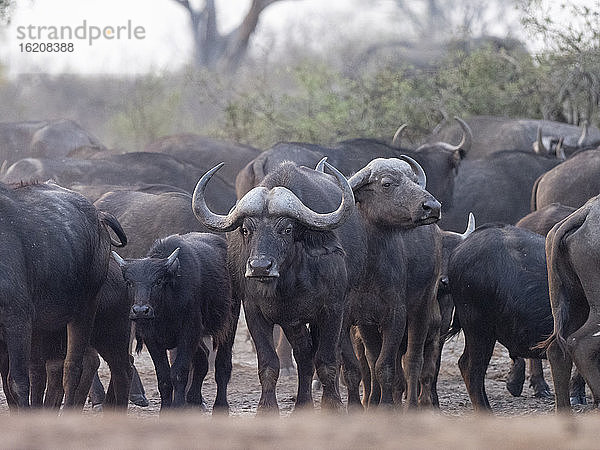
pixel 354 250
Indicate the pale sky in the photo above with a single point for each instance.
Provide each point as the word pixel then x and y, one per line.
pixel 167 41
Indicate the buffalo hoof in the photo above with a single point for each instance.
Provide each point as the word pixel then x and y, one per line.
pixel 578 400
pixel 287 372
pixel 139 400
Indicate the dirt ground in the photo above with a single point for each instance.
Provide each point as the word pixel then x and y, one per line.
pixel 244 388
pixel 518 423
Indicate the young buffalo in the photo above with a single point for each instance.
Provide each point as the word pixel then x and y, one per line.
pixel 180 292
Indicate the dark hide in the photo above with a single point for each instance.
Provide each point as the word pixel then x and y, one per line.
pixel 496 188
pixel 573 259
pixel 499 286
pixel 175 304
pixel 146 217
pixel 571 183
pixel 57 250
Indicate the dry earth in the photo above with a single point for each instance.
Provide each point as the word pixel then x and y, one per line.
pixel 519 422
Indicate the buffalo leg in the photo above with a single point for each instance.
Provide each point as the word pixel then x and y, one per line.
pixel 301 343
pixel 473 364
pixel 79 332
pixel 371 339
pixel 163 373
pixel 577 390
pixel 223 365
pixel 584 347
pixel 54 389
pixel 91 363
pixel 516 377
pixel 121 372
pixel 12 403
pixel 18 344
pixel 97 394
pixel 350 364
pixel 37 372
pixel 536 378
pixel 413 361
pixel 430 358
pixel 328 327
pixel 261 332
pixel 560 366
pixel 284 353
pixel 199 371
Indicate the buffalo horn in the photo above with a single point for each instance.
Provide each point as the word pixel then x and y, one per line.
pixel 467 137
pixel 218 222
pixel 398 135
pixel 283 202
pixel 584 133
pixel 320 167
pixel 417 169
pixel 118 259
pixel 172 257
pixel 560 151
pixel 539 147
pixel 470 227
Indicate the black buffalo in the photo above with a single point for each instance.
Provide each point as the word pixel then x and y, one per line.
pixel 440 160
pixel 290 261
pixel 395 294
pixel 495 133
pixel 56 249
pixel 499 286
pixel 180 292
pixel 43 139
pixel 571 183
pixel 573 257
pixel 146 217
pixel 496 188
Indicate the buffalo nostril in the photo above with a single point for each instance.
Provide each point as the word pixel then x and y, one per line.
pixel 431 206
pixel 261 263
pixel 141 310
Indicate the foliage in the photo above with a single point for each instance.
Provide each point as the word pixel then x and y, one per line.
pixel 147 112
pixel 323 105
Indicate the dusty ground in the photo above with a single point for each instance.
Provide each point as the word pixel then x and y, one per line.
pixel 456 426
pixel 244 388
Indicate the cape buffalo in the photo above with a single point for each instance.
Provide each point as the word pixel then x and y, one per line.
pixel 571 183
pixel 43 139
pixel 290 261
pixel 180 292
pixel 499 286
pixel 496 188
pixel 440 160
pixel 573 255
pixel 496 133
pixel 146 217
pixel 56 249
pixel 396 293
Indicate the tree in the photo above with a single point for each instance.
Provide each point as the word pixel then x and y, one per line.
pixel 214 50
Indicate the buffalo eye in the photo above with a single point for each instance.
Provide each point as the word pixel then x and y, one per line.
pixel 386 185
pixel 245 231
pixel 287 230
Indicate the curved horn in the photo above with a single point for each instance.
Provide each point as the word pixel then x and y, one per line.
pixel 467 137
pixel 584 133
pixel 417 169
pixel 172 257
pixel 360 178
pixel 282 201
pixel 118 259
pixel 212 221
pixel 560 151
pixel 320 167
pixel 470 227
pixel 538 146
pixel 398 135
